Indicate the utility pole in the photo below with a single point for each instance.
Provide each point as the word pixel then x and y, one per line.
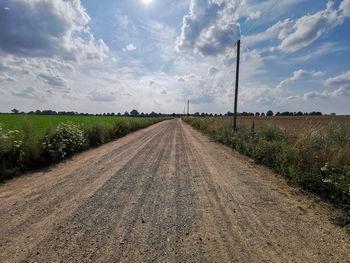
pixel 236 88
pixel 188 107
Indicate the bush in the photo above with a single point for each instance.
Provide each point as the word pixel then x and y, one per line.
pixel 11 154
pixel 65 141
pixel 95 133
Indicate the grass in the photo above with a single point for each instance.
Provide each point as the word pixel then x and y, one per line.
pixel 28 141
pixel 316 157
pixel 42 123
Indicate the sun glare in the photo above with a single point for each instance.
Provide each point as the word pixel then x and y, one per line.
pixel 147 1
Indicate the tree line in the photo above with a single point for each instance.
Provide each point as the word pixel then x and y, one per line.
pixel 268 113
pixel 135 113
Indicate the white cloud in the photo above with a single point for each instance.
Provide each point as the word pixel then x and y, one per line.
pixel 342 80
pixel 209 29
pixel 309 28
pixel 130 47
pixel 6 78
pixel 297 75
pixel 28 93
pixel 278 30
pixel 102 95
pixel 340 83
pixel 52 28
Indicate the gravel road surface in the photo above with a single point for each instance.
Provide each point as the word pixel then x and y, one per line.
pixel 166 193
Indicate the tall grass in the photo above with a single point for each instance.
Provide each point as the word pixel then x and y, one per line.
pixel 317 159
pixel 26 148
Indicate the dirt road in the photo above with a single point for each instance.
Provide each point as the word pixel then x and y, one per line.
pixel 163 194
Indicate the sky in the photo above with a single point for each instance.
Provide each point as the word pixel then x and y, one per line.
pixel 153 55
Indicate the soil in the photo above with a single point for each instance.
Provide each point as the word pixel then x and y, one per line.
pixel 166 193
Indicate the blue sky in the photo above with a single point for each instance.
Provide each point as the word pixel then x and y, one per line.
pixel 112 56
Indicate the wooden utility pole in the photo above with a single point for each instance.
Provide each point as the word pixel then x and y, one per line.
pixel 188 107
pixel 236 89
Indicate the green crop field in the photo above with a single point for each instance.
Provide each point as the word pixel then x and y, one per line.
pixel 41 123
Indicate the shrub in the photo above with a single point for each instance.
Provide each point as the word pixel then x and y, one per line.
pixel 271 132
pixel 95 133
pixel 11 154
pixel 66 140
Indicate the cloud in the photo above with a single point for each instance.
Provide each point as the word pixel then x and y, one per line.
pixel 43 28
pixel 340 83
pixel 6 78
pixel 212 71
pixel 309 28
pixel 130 47
pixel 297 75
pixel 163 92
pixel 202 99
pixel 208 28
pixel 28 93
pixel 322 50
pixel 102 96
pixel 279 30
pixel 53 80
pixel 342 80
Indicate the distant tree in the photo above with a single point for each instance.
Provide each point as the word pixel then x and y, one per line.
pixel 126 114
pixel 269 113
pixel 153 114
pixel 134 113
pixel 15 111
pixel 299 113
pixel 196 113
pixel 278 113
pixel 262 114
pixel 257 113
pixel 118 114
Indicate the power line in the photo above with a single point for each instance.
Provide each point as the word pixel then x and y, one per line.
pixel 263 14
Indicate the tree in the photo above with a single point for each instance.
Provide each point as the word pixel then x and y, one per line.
pixel 15 111
pixel 134 113
pixel 269 113
pixel 257 113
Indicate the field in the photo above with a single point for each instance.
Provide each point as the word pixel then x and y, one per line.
pixel 32 141
pixel 294 124
pixel 41 123
pixel 312 152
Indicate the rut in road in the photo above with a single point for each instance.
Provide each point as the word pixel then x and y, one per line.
pixel 163 194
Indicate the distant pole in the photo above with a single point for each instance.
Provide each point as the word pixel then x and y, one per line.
pixel 188 107
pixel 236 89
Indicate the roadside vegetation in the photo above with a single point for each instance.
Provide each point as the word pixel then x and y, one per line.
pixel 37 141
pixel 317 158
